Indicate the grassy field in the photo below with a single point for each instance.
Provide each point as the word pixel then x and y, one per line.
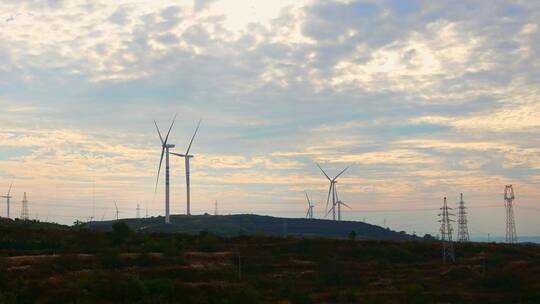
pixel 45 263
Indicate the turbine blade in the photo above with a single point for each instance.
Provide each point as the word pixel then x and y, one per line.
pixel 328 199
pixel 341 173
pixel 346 205
pixel 170 128
pixel 309 203
pixel 307 214
pixel 159 168
pixel 324 172
pixel 193 137
pixel 177 154
pixel 9 191
pixel 159 133
pixel 329 211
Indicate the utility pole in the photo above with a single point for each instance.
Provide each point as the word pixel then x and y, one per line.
pixel 446 233
pixel 215 208
pixel 511 236
pixel 24 211
pixel 138 212
pixel 463 230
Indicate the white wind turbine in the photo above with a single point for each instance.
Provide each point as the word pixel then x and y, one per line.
pixel 165 146
pixel 8 197
pixel 186 157
pixel 333 192
pixel 116 207
pixel 309 214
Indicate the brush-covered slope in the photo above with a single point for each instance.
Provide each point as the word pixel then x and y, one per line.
pixel 249 224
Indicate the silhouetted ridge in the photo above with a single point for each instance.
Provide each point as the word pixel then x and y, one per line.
pixel 251 224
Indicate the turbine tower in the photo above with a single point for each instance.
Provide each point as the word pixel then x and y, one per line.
pixel 511 236
pixel 186 156
pixel 309 214
pixel 8 197
pixel 165 146
pixel 24 211
pixel 333 192
pixel 463 230
pixel 446 233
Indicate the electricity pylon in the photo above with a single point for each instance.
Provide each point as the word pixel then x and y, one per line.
pixel 463 230
pixel 446 233
pixel 24 210
pixel 511 236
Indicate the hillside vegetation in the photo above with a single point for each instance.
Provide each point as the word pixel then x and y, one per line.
pixel 57 264
pixel 250 224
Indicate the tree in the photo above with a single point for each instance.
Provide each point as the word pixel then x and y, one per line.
pixel 121 232
pixel 352 235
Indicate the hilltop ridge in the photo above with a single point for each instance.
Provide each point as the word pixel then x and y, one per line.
pixel 252 224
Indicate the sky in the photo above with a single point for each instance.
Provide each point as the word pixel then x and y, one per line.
pixel 422 99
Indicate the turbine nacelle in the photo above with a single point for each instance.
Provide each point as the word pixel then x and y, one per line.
pixel 182 155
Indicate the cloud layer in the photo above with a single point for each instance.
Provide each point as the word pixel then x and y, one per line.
pixel 423 99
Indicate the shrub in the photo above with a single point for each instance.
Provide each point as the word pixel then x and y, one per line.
pixel 415 294
pixel 110 259
pixel 121 232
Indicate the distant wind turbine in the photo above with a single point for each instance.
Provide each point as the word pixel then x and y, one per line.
pixel 103 216
pixel 333 192
pixel 309 214
pixel 8 197
pixel 165 146
pixel 116 207
pixel 187 156
pixel 338 204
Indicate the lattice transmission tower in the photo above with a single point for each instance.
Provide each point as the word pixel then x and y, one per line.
pixel 463 230
pixel 446 233
pixel 511 236
pixel 24 210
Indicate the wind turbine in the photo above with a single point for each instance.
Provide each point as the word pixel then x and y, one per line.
pixel 8 198
pixel 309 214
pixel 338 204
pixel 165 146
pixel 116 207
pixel 186 157
pixel 332 191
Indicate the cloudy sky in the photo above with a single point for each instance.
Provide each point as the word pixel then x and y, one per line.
pixel 423 99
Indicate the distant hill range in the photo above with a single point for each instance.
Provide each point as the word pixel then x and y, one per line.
pixel 250 224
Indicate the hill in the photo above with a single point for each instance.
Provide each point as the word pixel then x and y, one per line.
pixel 58 264
pixel 250 224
